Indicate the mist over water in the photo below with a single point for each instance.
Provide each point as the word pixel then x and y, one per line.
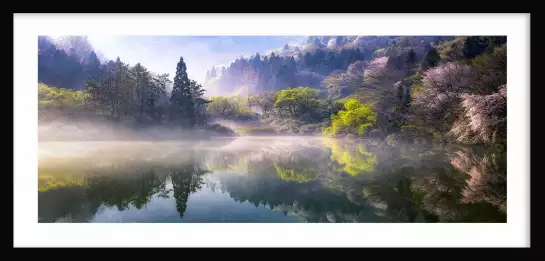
pixel 96 130
pixel 268 179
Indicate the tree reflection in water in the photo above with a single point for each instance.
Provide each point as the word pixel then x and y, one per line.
pixel 121 188
pixel 331 181
pixel 185 180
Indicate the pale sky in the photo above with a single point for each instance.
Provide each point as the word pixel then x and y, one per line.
pixel 160 54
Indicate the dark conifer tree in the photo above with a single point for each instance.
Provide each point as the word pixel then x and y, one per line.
pixel 431 59
pixel 181 98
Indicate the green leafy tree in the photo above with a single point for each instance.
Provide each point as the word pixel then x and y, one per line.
pixel 354 119
pixel 53 102
pixel 228 107
pixel 296 101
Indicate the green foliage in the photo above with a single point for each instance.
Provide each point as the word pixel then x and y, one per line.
pixel 296 172
pixel 156 92
pixel 142 85
pixel 129 93
pixel 415 82
pixel 452 50
pixel 51 180
pixel 354 119
pixel 297 102
pixel 62 99
pixel 467 47
pixel 258 130
pixel 490 70
pixel 477 45
pixel 413 134
pixel 197 93
pixel 229 107
pixel 353 159
pixel 415 78
pixel 416 89
pixel 401 105
pixel 54 102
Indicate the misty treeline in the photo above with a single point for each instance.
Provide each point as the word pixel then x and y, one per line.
pixel 451 89
pixel 445 88
pixel 114 90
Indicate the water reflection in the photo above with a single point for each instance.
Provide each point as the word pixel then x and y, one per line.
pixel 271 180
pixel 185 180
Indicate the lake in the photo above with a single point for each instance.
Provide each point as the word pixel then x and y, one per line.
pixel 269 180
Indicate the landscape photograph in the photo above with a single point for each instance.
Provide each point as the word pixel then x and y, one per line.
pixel 272 129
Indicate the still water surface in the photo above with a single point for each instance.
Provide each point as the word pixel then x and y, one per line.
pixel 269 179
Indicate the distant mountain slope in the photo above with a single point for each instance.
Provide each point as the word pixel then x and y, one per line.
pixel 67 63
pixel 307 63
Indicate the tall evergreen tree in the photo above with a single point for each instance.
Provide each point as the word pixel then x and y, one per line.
pixel 181 98
pixel 431 59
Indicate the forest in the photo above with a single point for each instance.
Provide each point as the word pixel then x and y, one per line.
pixel 411 88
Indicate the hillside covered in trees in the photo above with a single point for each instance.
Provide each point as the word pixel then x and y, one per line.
pixel 411 88
pixel 307 64
pixel 416 88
